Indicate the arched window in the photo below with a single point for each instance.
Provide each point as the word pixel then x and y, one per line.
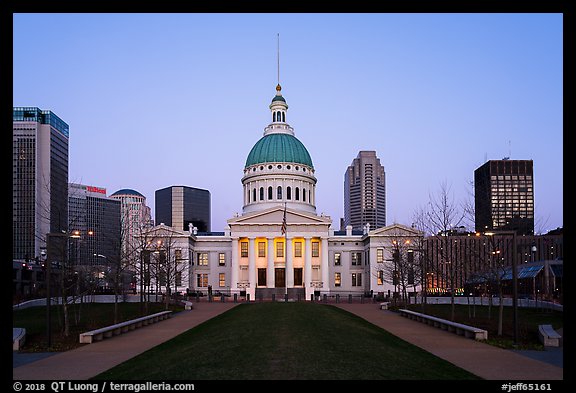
pixel 283 117
pixel 289 193
pixel 254 195
pixel 273 116
pixel 261 193
pixel 279 196
pixel 304 194
pixel 248 195
pixel 270 193
pixel 297 194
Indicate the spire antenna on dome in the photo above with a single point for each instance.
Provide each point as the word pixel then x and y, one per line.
pixel 278 59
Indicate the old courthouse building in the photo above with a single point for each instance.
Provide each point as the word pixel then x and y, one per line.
pixel 279 244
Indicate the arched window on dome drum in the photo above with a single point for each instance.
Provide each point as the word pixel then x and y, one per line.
pixel 254 195
pixel 304 194
pixel 261 193
pixel 273 116
pixel 297 194
pixel 270 193
pixel 248 195
pixel 279 196
pixel 289 193
pixel 283 117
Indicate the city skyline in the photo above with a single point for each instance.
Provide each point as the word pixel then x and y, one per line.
pixel 181 104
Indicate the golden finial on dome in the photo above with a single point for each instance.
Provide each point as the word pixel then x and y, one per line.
pixel 278 87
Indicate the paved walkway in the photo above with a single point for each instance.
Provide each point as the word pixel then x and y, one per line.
pixel 92 359
pixel 483 360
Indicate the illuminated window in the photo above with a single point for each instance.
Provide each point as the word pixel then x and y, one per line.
pixel 244 249
pixel 337 279
pixel 315 249
pixel 202 258
pixel 356 279
pixel 298 249
pixel 380 255
pixel 201 280
pixel 380 277
pixel 222 259
pixel 356 258
pixel 222 279
pixel 280 249
pixel 261 249
pixel 337 259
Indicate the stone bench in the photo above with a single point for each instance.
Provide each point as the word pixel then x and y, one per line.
pixel 454 327
pixel 548 336
pixel 18 338
pixel 384 305
pixel 122 327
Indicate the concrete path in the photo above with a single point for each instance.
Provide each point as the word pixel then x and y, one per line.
pixel 92 359
pixel 483 360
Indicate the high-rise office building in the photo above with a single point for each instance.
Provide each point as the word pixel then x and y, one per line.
pixel 365 192
pixel 135 217
pixel 96 219
pixel 179 206
pixel 39 179
pixel 504 196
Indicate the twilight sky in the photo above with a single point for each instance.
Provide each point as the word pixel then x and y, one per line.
pixel 155 100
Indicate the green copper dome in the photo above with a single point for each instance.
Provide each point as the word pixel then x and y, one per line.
pixel 279 148
pixel 278 98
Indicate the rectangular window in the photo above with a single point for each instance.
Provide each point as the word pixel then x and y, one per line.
pixel 202 280
pixel 261 249
pixel 280 249
pixel 261 277
pixel 337 279
pixel 177 254
pixel 336 259
pixel 356 279
pixel 380 255
pixel 222 259
pixel 380 277
pixel 243 249
pixel 202 259
pixel 222 280
pixel 356 258
pixel 297 276
pixel 315 249
pixel 178 279
pixel 298 249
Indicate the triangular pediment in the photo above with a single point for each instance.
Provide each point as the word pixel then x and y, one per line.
pixel 163 230
pixel 396 230
pixel 275 215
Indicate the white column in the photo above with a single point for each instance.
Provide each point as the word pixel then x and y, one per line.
pixel 251 269
pixel 289 264
pixel 308 268
pixel 234 266
pixel 324 263
pixel 270 268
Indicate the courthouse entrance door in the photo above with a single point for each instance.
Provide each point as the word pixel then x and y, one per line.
pixel 279 277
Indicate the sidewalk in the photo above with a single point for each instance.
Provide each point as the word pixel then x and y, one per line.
pixel 483 360
pixel 92 359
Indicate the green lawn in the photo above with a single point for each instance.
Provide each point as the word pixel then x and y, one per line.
pixel 83 317
pixel 485 317
pixel 286 341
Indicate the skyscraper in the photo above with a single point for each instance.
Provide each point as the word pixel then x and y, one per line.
pixel 365 192
pixel 39 179
pixel 178 206
pixel 135 217
pixel 504 196
pixel 97 218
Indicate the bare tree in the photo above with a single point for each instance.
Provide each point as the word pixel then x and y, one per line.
pixel 440 216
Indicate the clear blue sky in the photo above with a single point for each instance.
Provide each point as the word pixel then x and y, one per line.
pixel 155 100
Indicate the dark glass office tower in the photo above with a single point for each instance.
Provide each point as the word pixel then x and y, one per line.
pixel 39 179
pixel 504 196
pixel 179 206
pixel 96 217
pixel 365 192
